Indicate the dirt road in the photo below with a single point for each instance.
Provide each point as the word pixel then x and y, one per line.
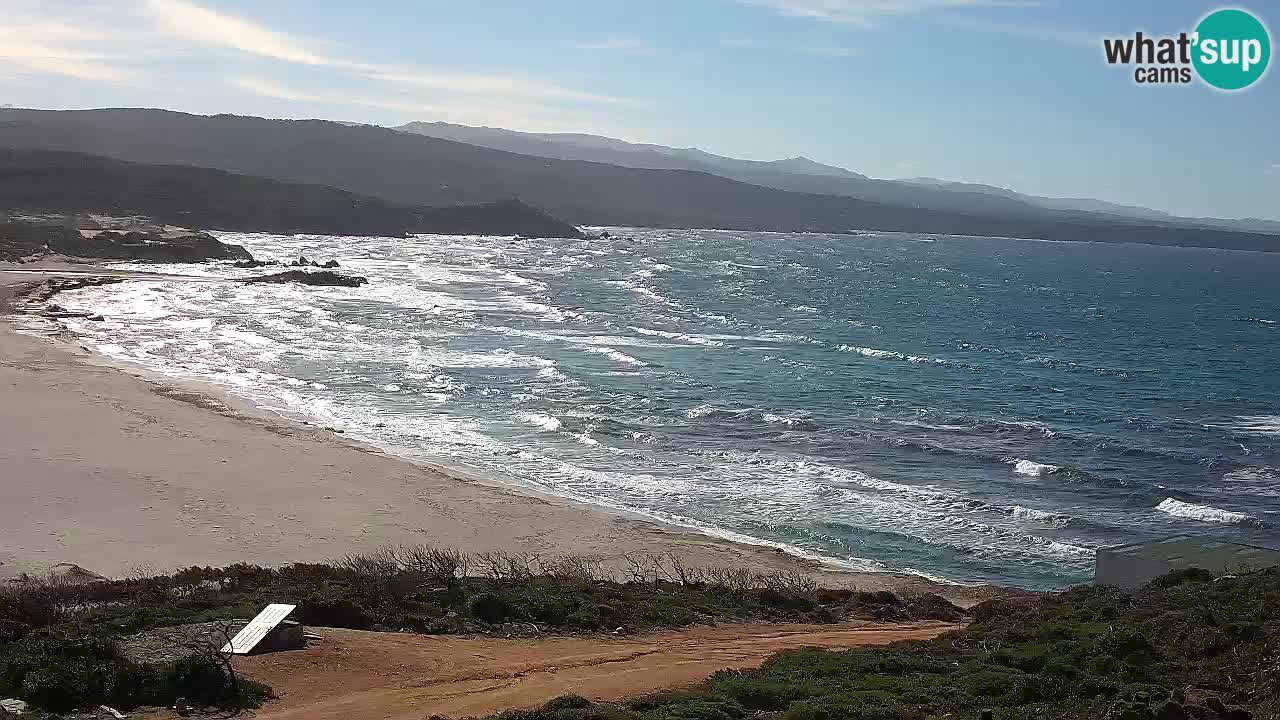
pixel 354 674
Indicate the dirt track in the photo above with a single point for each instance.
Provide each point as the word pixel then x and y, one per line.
pixel 354 674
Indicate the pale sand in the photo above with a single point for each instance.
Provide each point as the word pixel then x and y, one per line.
pixel 114 471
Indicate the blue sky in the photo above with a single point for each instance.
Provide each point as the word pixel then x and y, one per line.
pixel 1007 92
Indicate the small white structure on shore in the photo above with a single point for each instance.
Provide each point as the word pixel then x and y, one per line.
pixel 1136 564
pixel 268 632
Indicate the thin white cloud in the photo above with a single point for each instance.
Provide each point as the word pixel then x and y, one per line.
pixel 867 13
pixel 268 88
pixel 40 47
pixel 482 84
pixel 1273 169
pixel 207 27
pixel 202 25
pixel 466 112
pixel 618 44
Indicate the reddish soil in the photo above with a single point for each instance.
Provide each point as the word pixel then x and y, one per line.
pixel 354 674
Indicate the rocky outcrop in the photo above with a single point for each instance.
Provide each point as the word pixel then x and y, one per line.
pixel 37 293
pixel 175 247
pixel 20 239
pixel 302 277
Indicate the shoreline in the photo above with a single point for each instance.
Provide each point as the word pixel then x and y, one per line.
pixel 424 503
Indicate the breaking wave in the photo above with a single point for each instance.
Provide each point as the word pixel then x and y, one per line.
pixel 1202 513
pixel 617 356
pixel 1031 468
pixel 550 423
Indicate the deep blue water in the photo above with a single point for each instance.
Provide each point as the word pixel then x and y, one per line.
pixel 971 408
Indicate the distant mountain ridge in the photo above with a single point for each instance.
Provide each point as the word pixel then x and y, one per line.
pixel 415 170
pixel 804 175
pixel 597 148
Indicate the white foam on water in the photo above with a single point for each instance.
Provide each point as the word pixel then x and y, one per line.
pixel 932 426
pixel 872 352
pixel 1044 430
pixel 550 423
pixel 1031 468
pixel 650 293
pixel 783 419
pixel 879 354
pixel 1264 481
pixel 617 355
pixel 705 410
pixel 1040 516
pixel 683 337
pixel 551 373
pixel 1202 513
pixel 1265 425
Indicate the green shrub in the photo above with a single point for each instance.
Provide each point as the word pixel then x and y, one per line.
pixel 204 680
pixel 490 608
pixel 1086 653
pixel 69 668
pixel 11 630
pixel 1175 578
pixel 566 702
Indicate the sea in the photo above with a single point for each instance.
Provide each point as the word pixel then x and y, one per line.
pixel 975 410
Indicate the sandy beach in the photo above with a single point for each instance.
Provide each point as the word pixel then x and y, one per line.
pixel 117 472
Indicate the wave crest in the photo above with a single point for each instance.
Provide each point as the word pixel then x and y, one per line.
pixel 550 423
pixel 1203 513
pixel 1031 468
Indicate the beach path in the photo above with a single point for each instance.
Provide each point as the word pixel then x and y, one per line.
pixel 357 674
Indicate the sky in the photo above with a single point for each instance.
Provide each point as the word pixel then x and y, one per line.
pixel 1013 93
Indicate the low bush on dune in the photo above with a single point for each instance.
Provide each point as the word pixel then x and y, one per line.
pixel 1185 647
pixel 444 591
pixel 60 641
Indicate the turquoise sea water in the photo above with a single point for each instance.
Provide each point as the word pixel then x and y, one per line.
pixel 974 409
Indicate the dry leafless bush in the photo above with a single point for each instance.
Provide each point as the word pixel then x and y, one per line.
pixel 580 569
pixel 440 567
pixel 792 582
pixel 638 569
pixel 733 579
pixel 503 565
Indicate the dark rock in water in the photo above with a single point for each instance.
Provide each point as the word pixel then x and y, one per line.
pixel 302 261
pixel 324 277
pixel 254 263
pixel 61 313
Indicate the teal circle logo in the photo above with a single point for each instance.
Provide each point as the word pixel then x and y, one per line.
pixel 1232 49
